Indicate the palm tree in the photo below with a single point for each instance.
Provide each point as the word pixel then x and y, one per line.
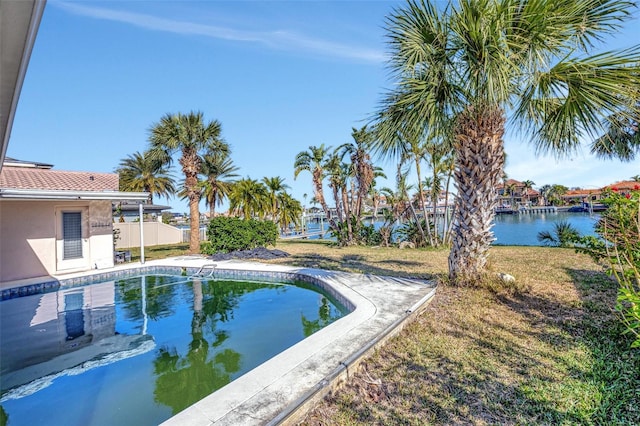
pixel 526 186
pixel 564 235
pixel 275 186
pixel 405 146
pixel 193 138
pixel 438 155
pixel 289 210
pixel 461 69
pixel 313 161
pixel 635 178
pixel 142 173
pixel 363 169
pixel 219 172
pixel 511 190
pixel 338 174
pixel 249 197
pixel 552 194
pixel 375 196
pixel 622 138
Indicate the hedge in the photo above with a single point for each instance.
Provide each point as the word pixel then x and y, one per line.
pixel 228 234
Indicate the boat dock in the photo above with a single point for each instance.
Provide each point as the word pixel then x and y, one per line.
pixel 527 210
pixel 302 235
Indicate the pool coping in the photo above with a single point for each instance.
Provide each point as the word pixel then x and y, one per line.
pixel 281 390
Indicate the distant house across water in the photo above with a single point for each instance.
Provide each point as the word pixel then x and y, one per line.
pixel 513 193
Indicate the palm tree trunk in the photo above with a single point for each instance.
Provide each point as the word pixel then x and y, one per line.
pixel 446 231
pixel 415 217
pixel 479 161
pixel 434 203
pixel 376 202
pixel 347 214
pixel 318 193
pixel 336 198
pixel 194 224
pixel 423 204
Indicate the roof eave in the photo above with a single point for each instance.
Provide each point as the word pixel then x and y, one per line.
pixel 31 194
pixel 20 22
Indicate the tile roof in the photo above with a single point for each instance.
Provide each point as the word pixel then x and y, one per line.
pixel 582 192
pixel 47 179
pixel 625 184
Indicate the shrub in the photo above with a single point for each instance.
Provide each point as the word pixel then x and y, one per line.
pixel 227 234
pixel 619 229
pixel 564 235
pixel 410 232
pixel 362 234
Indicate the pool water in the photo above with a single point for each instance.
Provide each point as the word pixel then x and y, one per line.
pixel 141 349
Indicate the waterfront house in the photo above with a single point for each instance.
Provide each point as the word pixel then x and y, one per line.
pixel 54 222
pixel 579 196
pixel 514 194
pixel 624 187
pixel 591 196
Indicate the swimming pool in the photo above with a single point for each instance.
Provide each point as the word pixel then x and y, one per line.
pixel 138 349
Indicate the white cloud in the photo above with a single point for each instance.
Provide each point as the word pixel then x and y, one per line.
pixel 277 39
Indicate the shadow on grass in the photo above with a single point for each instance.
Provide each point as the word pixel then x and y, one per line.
pixel 482 358
pixel 495 379
pixel 611 372
pixel 616 367
pixel 356 264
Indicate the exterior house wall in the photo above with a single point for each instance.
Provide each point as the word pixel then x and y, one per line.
pixel 101 234
pixel 30 238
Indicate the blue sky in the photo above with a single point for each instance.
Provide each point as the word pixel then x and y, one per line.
pixel 279 75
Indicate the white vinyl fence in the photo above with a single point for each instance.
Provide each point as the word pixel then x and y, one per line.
pixel 155 233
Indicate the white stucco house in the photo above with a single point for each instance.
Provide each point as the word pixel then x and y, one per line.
pixel 54 222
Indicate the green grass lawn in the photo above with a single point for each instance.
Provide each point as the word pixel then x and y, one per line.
pixel 549 351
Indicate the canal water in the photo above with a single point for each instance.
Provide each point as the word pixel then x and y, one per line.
pixel 522 229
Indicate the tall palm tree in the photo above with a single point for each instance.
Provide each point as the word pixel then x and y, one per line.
pixel 289 210
pixel 193 138
pixel 338 174
pixel 526 186
pixel 375 195
pixel 511 190
pixel 250 198
pixel 437 155
pixel 552 194
pixel 275 186
pixel 142 173
pixel 405 145
pixel 462 68
pixel 313 161
pixel 219 172
pixel 363 169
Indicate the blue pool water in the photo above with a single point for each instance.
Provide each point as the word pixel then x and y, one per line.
pixel 136 351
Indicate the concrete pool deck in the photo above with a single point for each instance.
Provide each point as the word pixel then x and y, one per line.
pixel 282 389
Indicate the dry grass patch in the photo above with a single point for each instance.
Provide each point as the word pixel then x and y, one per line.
pixel 552 354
